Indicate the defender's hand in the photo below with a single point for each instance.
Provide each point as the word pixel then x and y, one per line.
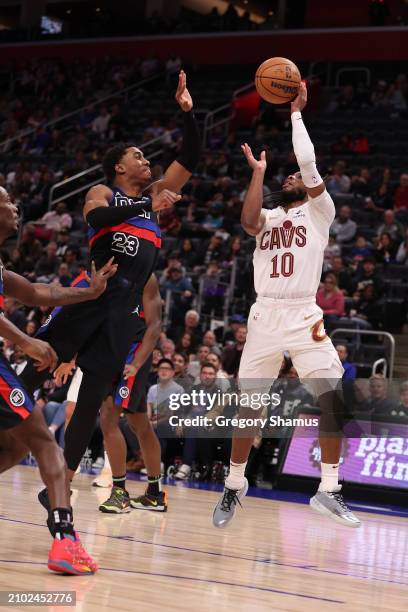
pixel 183 96
pixel 255 164
pixel 44 356
pixel 164 200
pixel 63 372
pixel 99 278
pixel 300 101
pixel 129 371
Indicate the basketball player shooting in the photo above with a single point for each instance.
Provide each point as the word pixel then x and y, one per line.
pixel 288 258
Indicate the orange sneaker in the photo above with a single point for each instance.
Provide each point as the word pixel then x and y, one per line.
pixel 70 557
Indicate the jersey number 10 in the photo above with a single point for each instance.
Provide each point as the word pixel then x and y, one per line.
pixel 286 265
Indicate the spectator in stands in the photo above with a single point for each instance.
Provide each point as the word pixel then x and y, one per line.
pixel 391 226
pixel 192 327
pixel 14 313
pixel 194 367
pixel 397 93
pixel 48 263
pixel 222 377
pixel 365 310
pixel 379 97
pixel 227 335
pixel 185 344
pixel 231 356
pixel 181 376
pixel 332 250
pixel 210 340
pixel 368 275
pixel 386 249
pixel 182 293
pixel 213 290
pixel 378 403
pixel 382 196
pixel 71 258
pixel 294 395
pixel 62 242
pixel 100 124
pixel 56 220
pixel 361 249
pixel 173 67
pixel 187 253
pixel 350 370
pixel 339 182
pixel 211 250
pixel 402 253
pixel 401 410
pixel 344 280
pixel 167 346
pixel 359 144
pixel 401 193
pixel 361 183
pixel 63 277
pixel 343 227
pixel 330 299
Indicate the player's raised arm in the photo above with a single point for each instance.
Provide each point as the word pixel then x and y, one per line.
pixel 39 294
pixel 303 146
pixel 98 213
pixel 152 307
pixel 178 173
pixel 252 217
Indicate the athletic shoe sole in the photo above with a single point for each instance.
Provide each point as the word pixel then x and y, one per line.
pixel 114 510
pixel 151 508
pixel 63 567
pixel 320 509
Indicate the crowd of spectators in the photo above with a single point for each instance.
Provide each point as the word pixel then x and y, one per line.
pixel 206 260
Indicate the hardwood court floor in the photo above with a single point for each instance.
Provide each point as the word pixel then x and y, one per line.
pixel 275 556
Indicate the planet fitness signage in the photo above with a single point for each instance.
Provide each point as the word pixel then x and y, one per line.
pixel 381 459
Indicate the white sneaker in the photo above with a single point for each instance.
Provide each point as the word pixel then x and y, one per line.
pixel 332 504
pixel 98 464
pixel 183 472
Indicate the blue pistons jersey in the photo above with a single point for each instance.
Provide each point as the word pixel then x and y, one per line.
pixel 135 243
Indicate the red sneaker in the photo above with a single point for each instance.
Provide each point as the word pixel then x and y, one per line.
pixel 70 557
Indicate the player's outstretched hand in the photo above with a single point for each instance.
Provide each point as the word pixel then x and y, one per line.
pixel 44 356
pixel 129 371
pixel 255 164
pixel 63 372
pixel 300 101
pixel 99 278
pixel 164 199
pixel 183 96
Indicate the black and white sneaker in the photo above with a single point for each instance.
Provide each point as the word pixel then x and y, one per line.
pixel 225 509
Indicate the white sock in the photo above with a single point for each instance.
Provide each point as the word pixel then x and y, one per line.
pixel 236 477
pixel 329 477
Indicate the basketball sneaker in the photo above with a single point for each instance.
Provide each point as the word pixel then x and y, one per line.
pixel 156 503
pixel 332 504
pixel 225 509
pixel 68 556
pixel 117 503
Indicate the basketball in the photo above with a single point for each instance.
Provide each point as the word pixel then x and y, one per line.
pixel 277 80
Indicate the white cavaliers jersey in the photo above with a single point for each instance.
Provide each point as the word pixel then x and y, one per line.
pixel 289 250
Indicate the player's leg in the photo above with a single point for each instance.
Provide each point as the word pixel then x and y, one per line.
pixel 318 365
pixel 260 363
pixel 154 498
pixel 67 554
pixel 12 452
pixel 115 445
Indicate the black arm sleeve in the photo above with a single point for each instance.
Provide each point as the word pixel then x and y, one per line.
pixel 191 148
pixel 106 216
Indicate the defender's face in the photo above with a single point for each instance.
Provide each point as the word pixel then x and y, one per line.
pixel 135 166
pixel 8 213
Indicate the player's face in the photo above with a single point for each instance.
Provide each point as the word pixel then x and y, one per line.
pixel 8 214
pixel 134 165
pixel 293 188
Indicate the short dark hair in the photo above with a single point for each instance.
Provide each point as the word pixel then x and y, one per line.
pixel 183 355
pixel 113 157
pixel 207 364
pixel 167 361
